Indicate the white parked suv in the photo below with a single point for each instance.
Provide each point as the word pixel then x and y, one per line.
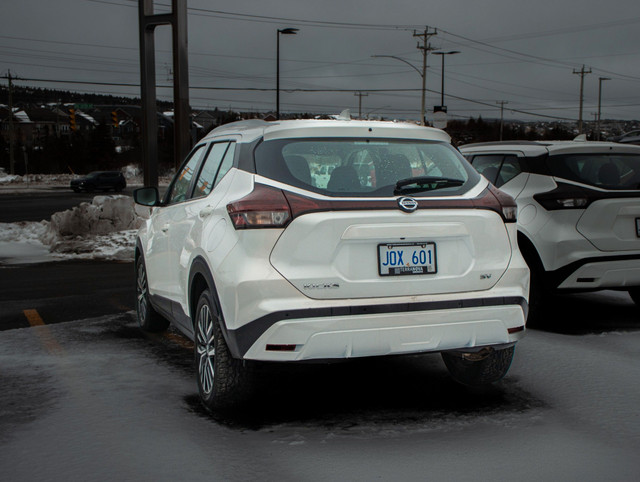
pixel 578 211
pixel 324 240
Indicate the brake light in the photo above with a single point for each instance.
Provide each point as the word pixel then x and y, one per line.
pixel 565 196
pixel 500 202
pixel 264 207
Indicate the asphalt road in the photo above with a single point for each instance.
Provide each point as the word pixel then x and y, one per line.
pixel 64 291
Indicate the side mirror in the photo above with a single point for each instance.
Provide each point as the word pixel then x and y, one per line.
pixel 147 196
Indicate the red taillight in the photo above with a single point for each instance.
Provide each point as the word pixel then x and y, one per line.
pixel 509 206
pixel 500 202
pixel 565 196
pixel 264 207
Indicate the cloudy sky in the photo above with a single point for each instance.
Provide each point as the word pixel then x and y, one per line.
pixel 521 52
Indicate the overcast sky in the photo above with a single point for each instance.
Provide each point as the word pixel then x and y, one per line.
pixel 521 52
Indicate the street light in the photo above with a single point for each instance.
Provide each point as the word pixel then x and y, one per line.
pixel 599 102
pixel 442 54
pixel 420 73
pixel 284 31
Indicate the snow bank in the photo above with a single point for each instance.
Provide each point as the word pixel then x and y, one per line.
pixel 131 171
pixel 105 214
pixel 45 179
pixel 7 178
pixel 102 229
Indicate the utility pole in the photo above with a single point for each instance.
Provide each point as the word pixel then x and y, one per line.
pixel 425 47
pixel 12 162
pixel 360 95
pixel 600 79
pixel 147 23
pixel 502 103
pixel 581 73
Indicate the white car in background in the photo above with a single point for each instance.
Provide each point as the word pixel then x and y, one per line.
pixel 325 240
pixel 578 211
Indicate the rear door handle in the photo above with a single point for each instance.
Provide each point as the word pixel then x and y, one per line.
pixel 208 211
pixel 165 228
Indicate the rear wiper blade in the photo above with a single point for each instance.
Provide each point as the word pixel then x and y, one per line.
pixel 424 183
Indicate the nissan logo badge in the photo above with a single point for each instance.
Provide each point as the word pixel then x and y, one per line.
pixel 407 204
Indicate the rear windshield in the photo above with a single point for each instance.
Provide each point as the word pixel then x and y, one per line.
pixel 361 167
pixel 607 171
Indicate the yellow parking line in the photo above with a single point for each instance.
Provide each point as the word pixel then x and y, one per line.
pixel 33 317
pixel 49 342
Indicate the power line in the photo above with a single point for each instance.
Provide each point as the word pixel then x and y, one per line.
pixel 271 19
pixel 267 89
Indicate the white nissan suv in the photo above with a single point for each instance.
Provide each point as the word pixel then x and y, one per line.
pixel 578 211
pixel 322 240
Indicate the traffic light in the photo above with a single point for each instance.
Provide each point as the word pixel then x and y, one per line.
pixel 72 120
pixel 114 118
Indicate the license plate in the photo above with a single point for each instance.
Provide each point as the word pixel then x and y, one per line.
pixel 638 227
pixel 406 259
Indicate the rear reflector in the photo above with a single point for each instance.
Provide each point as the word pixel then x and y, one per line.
pixel 517 329
pixel 281 347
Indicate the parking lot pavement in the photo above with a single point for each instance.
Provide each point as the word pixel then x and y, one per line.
pixel 98 399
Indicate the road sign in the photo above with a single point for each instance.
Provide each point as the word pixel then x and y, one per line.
pixel 440 119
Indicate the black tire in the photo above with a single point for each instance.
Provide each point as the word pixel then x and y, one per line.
pixel 479 368
pixel 635 295
pixel 223 381
pixel 538 294
pixel 148 318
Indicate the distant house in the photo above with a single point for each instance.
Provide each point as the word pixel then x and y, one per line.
pixel 205 119
pixel 47 122
pixel 22 125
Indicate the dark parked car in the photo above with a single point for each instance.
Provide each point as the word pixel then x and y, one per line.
pixel 100 181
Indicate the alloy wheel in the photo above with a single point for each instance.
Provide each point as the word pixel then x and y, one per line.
pixel 141 291
pixel 205 349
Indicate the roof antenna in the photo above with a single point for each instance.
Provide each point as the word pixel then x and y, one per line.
pixel 345 115
pixel 581 138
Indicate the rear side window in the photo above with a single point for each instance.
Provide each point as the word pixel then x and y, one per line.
pixel 607 171
pixel 207 176
pixel 497 168
pixel 360 167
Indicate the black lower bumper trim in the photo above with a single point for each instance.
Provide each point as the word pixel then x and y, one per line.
pixel 557 277
pixel 244 337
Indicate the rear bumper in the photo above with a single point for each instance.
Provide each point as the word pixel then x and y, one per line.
pixel 265 309
pixel 378 330
pixel 604 273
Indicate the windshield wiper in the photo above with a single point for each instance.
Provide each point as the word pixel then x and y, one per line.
pixel 424 183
